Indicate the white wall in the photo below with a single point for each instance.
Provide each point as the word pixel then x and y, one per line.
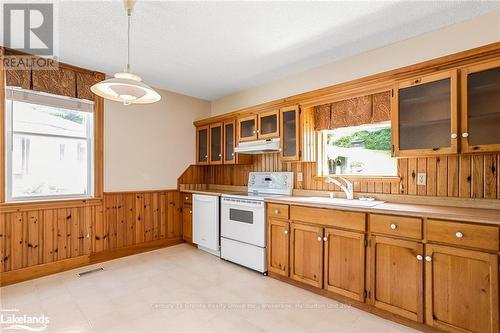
pixel 479 31
pixel 149 146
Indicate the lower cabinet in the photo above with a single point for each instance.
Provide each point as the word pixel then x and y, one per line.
pixel 306 254
pixel 345 263
pixel 396 276
pixel 278 251
pixel 461 289
pixel 187 223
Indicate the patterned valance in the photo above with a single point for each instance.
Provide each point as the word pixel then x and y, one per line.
pixel 64 80
pixel 354 111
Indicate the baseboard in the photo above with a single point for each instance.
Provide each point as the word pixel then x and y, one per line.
pixel 38 271
pixel 359 305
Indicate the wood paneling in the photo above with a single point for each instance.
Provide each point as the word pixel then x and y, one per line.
pixel 44 235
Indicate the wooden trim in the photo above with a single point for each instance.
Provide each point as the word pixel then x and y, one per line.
pixel 2 128
pixel 98 146
pixel 37 271
pixel 12 207
pixel 466 146
pixel 419 80
pixel 381 80
pixel 259 127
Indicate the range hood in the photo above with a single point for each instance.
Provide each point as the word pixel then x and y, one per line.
pixel 259 146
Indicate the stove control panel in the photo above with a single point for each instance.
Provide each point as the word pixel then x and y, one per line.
pixel 271 182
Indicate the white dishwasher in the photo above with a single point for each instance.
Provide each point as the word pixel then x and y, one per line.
pixel 206 223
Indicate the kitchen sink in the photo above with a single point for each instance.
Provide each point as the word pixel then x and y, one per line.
pixel 340 202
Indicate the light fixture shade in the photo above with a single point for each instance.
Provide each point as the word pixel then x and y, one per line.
pixel 127 88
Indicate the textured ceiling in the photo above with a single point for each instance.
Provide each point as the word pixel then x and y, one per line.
pixel 213 49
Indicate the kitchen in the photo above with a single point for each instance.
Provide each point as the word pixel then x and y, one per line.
pixel 360 195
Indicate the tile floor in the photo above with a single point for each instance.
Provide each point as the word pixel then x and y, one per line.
pixel 181 289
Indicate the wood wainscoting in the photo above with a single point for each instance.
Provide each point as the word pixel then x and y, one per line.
pixel 464 176
pixel 39 239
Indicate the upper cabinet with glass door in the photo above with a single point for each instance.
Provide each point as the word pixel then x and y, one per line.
pixel 289 123
pixel 480 122
pixel 247 128
pixel 264 125
pixel 202 145
pixel 216 138
pixel 424 117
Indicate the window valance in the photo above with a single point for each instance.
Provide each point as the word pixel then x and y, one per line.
pixel 354 111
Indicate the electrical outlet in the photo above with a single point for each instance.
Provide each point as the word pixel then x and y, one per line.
pixel 421 179
pixel 300 176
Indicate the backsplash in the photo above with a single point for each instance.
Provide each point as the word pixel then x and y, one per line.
pixel 465 176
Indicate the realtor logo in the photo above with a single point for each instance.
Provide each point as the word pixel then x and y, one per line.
pixel 29 27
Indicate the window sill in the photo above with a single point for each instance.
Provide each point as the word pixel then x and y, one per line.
pixel 361 178
pixel 20 206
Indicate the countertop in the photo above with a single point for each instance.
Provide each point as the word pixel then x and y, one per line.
pixel 477 215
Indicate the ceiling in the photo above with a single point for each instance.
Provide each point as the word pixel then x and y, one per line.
pixel 213 49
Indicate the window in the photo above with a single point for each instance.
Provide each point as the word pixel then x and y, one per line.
pixel 49 146
pixel 359 150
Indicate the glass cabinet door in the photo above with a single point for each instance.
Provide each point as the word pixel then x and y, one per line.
pixel 289 133
pixel 247 128
pixel 229 141
pixel 216 143
pixel 268 125
pixel 426 115
pixel 481 107
pixel 202 145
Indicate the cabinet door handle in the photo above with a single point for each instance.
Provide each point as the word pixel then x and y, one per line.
pixel 232 154
pixel 286 232
pixel 465 135
pixel 187 197
pixel 393 226
pixel 419 257
pixel 320 238
pixel 325 239
pixel 220 155
pixel 206 156
pixel 454 135
pixel 428 258
pixel 459 234
pixel 254 132
pixel 190 212
pixel 276 211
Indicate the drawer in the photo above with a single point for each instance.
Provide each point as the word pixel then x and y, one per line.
pixel 456 233
pixel 187 198
pixel 410 227
pixel 277 211
pixel 329 217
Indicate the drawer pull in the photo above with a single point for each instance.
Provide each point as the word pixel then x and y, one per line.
pixel 393 226
pixel 187 197
pixel 190 212
pixel 276 211
pixel 428 258
pixel 459 234
pixel 286 232
pixel 320 239
pixel 419 257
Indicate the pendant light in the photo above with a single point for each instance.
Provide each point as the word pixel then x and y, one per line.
pixel 126 87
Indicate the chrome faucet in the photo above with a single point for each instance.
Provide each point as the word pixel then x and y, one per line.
pixel 348 188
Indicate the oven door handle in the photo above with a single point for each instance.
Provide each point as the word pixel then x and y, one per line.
pixel 239 204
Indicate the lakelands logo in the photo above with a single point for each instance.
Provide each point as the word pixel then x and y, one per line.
pixel 10 320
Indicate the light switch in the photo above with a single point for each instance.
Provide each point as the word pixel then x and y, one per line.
pixel 421 179
pixel 300 176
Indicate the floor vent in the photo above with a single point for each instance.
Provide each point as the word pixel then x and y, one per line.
pixel 91 271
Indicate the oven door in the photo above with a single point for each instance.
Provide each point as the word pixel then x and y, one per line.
pixel 243 220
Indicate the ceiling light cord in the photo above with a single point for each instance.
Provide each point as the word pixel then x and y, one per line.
pixel 127 70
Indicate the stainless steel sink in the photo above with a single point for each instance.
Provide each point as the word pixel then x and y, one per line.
pixel 340 202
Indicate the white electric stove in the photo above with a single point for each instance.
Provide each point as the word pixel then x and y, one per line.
pixel 243 218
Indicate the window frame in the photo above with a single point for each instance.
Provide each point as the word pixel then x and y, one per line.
pixel 90 139
pixel 322 158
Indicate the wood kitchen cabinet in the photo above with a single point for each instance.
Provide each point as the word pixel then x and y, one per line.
pixel 229 142
pixel 187 223
pixel 216 143
pixel 278 232
pixel 344 263
pixel 461 289
pixel 289 133
pixel 424 116
pixel 202 142
pixel 480 116
pixel 261 126
pixel 247 128
pixel 306 254
pixel 396 276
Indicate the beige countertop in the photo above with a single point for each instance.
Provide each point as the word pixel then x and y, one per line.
pixel 478 215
